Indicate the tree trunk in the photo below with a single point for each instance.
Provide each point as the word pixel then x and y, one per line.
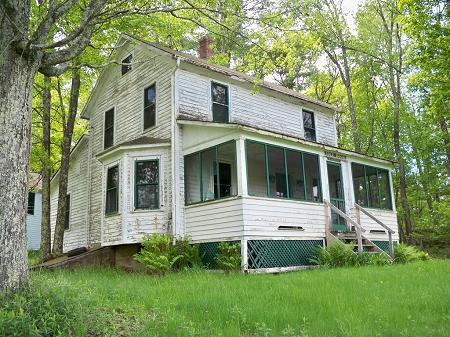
pixel 446 137
pixel 58 237
pixel 16 86
pixel 46 172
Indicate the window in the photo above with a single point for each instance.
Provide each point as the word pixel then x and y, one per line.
pixel 211 174
pixel 146 184
pixel 126 64
pixel 109 129
pixel 220 106
pixel 112 190
pixel 150 106
pixel 371 186
pixel 309 125
pixel 31 197
pixel 67 214
pixel 282 173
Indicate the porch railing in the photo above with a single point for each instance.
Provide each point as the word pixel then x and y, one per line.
pixel 370 215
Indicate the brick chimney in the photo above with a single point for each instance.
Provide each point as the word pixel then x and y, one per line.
pixel 205 47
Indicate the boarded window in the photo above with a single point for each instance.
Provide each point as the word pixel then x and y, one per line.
pixel 150 106
pixel 282 173
pixel 220 104
pixel 147 184
pixel 31 198
pixel 109 128
pixel 112 190
pixel 309 125
pixel 67 214
pixel 126 64
pixel 371 186
pixel 211 174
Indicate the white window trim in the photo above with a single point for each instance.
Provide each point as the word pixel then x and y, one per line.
pixel 210 100
pixel 114 127
pixel 153 82
pixel 160 183
pixel 105 183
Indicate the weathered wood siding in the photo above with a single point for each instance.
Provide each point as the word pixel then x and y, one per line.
pixel 263 216
pixel 253 109
pixel 34 224
pixel 389 218
pixel 125 93
pixel 215 221
pixel 76 235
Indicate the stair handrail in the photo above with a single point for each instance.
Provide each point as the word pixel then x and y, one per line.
pixel 358 227
pixel 378 221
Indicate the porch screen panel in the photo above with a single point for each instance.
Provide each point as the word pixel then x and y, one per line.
pixel 277 172
pixel 226 167
pixel 359 184
pixel 256 169
pixel 208 163
pixel 372 187
pixel 296 182
pixel 192 178
pixel 385 189
pixel 312 177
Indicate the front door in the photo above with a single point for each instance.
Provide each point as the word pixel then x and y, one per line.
pixel 336 196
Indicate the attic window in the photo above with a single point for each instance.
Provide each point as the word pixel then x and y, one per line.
pixel 126 64
pixel 220 104
pixel 309 125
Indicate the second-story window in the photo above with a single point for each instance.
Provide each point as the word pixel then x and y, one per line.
pixel 309 125
pixel 126 64
pixel 220 104
pixel 109 128
pixel 149 106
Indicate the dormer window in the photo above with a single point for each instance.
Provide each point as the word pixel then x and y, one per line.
pixel 309 125
pixel 220 104
pixel 126 64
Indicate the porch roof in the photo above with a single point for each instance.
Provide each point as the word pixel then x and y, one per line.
pixel 140 142
pixel 244 127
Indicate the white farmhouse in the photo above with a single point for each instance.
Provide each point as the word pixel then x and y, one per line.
pixel 179 145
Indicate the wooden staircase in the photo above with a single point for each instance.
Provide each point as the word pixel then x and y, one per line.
pixel 354 233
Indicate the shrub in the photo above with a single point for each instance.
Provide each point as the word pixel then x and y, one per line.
pixel 161 252
pixel 404 254
pixel 34 257
pixel 229 256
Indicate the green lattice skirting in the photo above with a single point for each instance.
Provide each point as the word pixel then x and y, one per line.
pixel 208 252
pixel 384 245
pixel 281 253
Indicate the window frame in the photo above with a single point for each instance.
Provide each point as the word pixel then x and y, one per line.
pixel 130 67
pixel 228 105
pixel 158 184
pixel 285 149
pixel 145 129
pixel 114 165
pixel 314 129
pixel 34 203
pixel 113 128
pixel 366 184
pixel 217 180
pixel 68 211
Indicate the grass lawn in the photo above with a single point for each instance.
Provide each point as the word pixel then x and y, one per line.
pixel 399 300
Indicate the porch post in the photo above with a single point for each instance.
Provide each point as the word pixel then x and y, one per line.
pixel 241 168
pixel 244 255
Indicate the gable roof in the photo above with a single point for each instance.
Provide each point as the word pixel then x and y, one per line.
pixel 233 73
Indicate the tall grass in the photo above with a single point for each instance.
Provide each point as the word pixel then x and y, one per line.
pixel 397 300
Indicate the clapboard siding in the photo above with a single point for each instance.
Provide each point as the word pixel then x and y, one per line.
pixel 76 235
pixel 219 220
pixel 254 109
pixel 389 218
pixel 125 93
pixel 262 217
pixel 34 224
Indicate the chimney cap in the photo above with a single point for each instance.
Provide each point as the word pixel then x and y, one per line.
pixel 205 48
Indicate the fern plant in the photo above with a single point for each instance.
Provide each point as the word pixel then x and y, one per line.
pixel 229 256
pixel 404 254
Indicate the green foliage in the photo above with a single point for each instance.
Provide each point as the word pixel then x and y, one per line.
pixel 162 252
pixel 34 257
pixel 404 254
pixel 229 256
pixel 339 254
